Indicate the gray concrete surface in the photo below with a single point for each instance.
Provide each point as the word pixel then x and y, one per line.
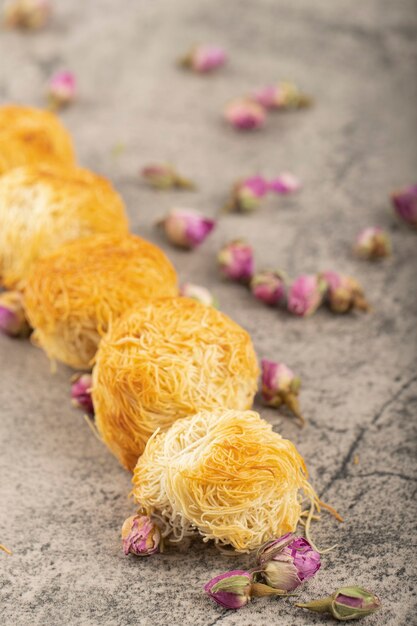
pixel 63 497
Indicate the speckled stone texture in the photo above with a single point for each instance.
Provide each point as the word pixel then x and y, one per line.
pixel 63 497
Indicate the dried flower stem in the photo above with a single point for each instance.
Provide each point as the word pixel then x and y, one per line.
pixel 291 401
pixel 259 590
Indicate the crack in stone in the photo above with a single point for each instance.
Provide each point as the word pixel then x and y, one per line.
pixel 383 473
pixel 342 471
pixel 356 499
pixel 219 619
pixel 405 386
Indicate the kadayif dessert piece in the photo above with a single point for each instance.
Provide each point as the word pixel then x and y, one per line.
pixel 164 361
pixel 75 293
pixel 42 207
pixel 29 136
pixel 224 474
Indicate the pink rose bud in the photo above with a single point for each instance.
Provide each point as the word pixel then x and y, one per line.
pixel 373 243
pixel 62 89
pixel 141 536
pixel 269 287
pixel 81 392
pixel 247 194
pixel 163 176
pixel 405 204
pixel 12 316
pixel 245 115
pixel 305 295
pixel 343 293
pixel 231 590
pixel 204 59
pixel 201 294
pixel 236 261
pixel 26 14
pixel 280 386
pixel 285 183
pixel 186 228
pixel 287 562
pixel 284 96
pixel 346 604
pixel 266 96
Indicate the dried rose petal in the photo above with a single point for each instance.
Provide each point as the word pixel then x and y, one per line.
pixel 231 589
pixel 164 176
pixel 373 243
pixel 204 58
pixel 247 194
pixel 284 96
pixel 343 293
pixel 287 562
pixel 346 604
pixel 245 115
pixel 62 89
pixel 141 536
pixel 305 295
pixel 236 261
pixel 12 316
pixel 186 228
pixel 405 204
pixel 285 183
pixel 81 392
pixel 280 386
pixel 269 287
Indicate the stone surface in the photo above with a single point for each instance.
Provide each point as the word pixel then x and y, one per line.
pixel 63 497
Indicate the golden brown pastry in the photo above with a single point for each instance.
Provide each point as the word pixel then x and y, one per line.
pixel 43 206
pixel 224 474
pixel 164 361
pixel 29 136
pixel 75 293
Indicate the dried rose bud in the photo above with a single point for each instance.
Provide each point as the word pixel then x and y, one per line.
pixel 285 183
pixel 268 550
pixel 231 590
pixel 12 316
pixel 62 89
pixel 81 392
pixel 283 96
pixel 247 194
pixel 287 562
pixel 141 536
pixel 343 293
pixel 186 228
pixel 269 287
pixel 201 294
pixel 205 58
pixel 266 96
pixel 164 176
pixel 280 386
pixel 405 204
pixel 26 14
pixel 245 115
pixel 236 261
pixel 346 604
pixel 305 295
pixel 373 243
